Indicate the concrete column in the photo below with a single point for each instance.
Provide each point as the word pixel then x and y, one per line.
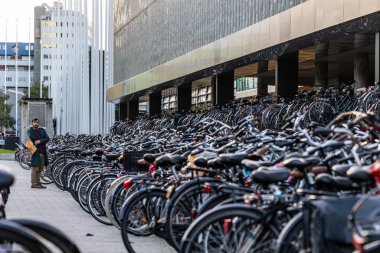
pixel 184 97
pixel 262 83
pixel 123 109
pixel 321 65
pixel 133 109
pixel 287 75
pixel 377 57
pixel 361 62
pixel 223 88
pixel 155 103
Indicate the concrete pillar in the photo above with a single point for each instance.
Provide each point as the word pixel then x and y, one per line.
pixel 132 109
pixel 155 103
pixel 262 83
pixel 361 62
pixel 334 67
pixel 123 109
pixel 321 65
pixel 223 88
pixel 377 57
pixel 184 97
pixel 287 75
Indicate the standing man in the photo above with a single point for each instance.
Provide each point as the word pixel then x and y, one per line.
pixel 39 159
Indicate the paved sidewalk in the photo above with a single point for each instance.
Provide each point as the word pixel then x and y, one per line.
pixel 60 210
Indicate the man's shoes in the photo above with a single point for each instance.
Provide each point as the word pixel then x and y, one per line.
pixel 38 186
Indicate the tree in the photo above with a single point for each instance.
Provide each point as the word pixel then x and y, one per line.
pixel 6 120
pixel 35 91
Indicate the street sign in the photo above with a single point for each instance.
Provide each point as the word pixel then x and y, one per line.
pixel 2 142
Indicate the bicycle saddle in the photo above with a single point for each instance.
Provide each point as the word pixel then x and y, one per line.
pixel 360 174
pixel 343 183
pixel 150 157
pixel 266 175
pixel 216 162
pixel 177 159
pixel 300 163
pixel 254 165
pixel 142 162
pixel 164 160
pixel 341 169
pixel 6 179
pixel 233 159
pixel 324 179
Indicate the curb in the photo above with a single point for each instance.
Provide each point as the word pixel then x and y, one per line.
pixel 9 157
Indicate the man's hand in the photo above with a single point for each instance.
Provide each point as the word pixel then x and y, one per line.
pixel 37 142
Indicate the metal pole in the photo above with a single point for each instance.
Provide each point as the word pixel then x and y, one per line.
pixel 6 56
pixel 16 77
pixel 377 57
pixel 29 63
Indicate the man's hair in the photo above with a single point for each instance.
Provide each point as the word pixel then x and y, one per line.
pixel 35 119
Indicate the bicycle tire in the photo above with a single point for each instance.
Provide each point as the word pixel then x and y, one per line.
pixel 50 233
pixel 26 238
pixel 291 230
pixel 130 207
pixel 223 213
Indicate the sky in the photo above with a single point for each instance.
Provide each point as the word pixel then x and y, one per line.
pixel 22 10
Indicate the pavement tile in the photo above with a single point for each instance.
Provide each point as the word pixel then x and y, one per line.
pixel 59 209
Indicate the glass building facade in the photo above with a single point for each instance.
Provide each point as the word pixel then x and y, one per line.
pixel 149 33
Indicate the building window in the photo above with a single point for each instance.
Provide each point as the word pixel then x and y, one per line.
pixel 49 35
pixel 49 24
pixel 169 100
pixel 9 79
pixel 201 97
pixel 46 67
pixel 245 83
pixel 22 79
pixel 45 78
pixel 46 56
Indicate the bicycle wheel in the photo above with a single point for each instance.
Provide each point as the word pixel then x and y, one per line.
pixel 114 194
pixel 291 236
pixel 57 167
pixel 184 205
pixel 74 178
pixel 139 215
pixel 66 171
pixel 17 238
pixel 51 234
pixel 25 161
pixel 96 195
pixel 81 190
pixel 230 228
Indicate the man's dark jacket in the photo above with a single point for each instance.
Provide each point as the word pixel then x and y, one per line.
pixel 44 139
